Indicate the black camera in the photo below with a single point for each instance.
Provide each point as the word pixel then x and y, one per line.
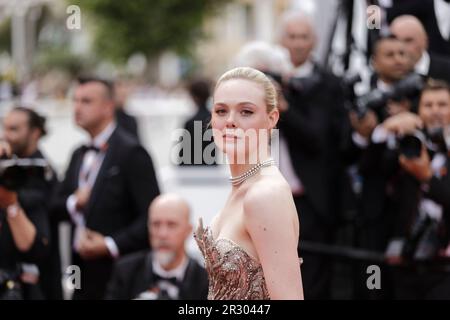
pixel 410 145
pixel 376 100
pixel 15 172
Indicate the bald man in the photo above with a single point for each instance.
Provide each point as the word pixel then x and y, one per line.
pixel 297 35
pixel 410 30
pixel 166 272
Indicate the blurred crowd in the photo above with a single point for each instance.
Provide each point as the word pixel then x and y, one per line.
pixel 369 173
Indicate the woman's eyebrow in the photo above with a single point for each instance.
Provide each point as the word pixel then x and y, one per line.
pixel 246 103
pixel 222 104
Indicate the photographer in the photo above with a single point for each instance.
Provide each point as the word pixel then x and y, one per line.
pixel 373 117
pixel 424 227
pixel 24 224
pixel 403 188
pixel 390 65
pixel 393 90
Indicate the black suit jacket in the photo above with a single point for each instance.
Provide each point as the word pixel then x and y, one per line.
pixel 439 67
pixel 127 123
pixel 133 275
pixel 120 197
pixel 313 128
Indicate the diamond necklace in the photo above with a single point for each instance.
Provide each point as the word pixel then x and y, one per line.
pixel 235 181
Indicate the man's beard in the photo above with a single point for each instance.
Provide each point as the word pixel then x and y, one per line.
pixel 165 257
pixel 20 148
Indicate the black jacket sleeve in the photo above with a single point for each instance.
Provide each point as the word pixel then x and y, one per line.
pixel 33 202
pixel 117 286
pixel 40 249
pixel 143 188
pixel 62 191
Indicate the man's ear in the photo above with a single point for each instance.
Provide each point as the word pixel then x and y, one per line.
pixel 112 106
pixel 36 134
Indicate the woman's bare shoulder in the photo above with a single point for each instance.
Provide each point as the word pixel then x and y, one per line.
pixel 269 210
pixel 268 194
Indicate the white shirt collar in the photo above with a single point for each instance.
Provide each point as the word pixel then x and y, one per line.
pixel 383 86
pixel 442 12
pixel 304 70
pixel 177 272
pixel 104 136
pixel 423 65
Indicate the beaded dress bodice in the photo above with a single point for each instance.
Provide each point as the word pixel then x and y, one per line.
pixel 233 274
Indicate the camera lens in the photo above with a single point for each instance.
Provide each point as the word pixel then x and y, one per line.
pixel 410 146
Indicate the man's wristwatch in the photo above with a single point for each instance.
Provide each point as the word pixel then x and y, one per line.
pixel 13 210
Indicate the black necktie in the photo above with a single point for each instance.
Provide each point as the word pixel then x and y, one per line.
pixel 91 147
pixel 172 280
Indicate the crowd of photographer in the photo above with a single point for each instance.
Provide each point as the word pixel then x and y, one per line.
pixel 400 137
pixel 105 194
pixel 384 154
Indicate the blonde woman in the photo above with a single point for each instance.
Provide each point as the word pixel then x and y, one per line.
pixel 250 249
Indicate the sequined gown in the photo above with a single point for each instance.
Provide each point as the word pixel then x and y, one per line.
pixel 233 273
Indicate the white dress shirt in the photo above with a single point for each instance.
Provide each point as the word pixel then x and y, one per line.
pixel 442 12
pixel 90 167
pixel 179 272
pixel 422 66
pixel 304 70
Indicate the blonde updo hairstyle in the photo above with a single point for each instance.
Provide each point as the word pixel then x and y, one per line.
pixel 255 76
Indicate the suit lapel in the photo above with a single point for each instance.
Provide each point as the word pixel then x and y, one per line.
pixel 432 67
pixel 185 287
pixel 77 167
pixel 105 166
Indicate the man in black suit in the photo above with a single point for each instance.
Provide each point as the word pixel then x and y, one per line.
pixel 107 189
pixel 311 126
pixel 166 272
pixel 410 30
pixel 26 236
pixel 432 14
